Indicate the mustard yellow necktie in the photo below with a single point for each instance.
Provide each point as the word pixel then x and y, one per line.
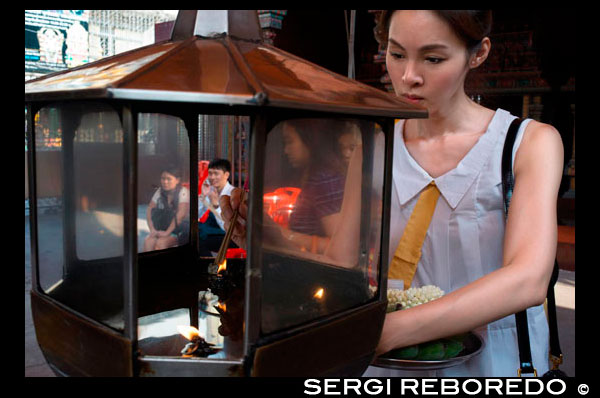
pixel 408 253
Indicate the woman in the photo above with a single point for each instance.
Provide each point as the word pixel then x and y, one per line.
pixel 168 212
pixel 489 270
pixel 321 179
pixel 348 140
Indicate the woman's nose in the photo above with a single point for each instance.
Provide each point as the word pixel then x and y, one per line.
pixel 411 75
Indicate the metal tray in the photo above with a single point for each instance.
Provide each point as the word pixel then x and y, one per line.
pixel 473 346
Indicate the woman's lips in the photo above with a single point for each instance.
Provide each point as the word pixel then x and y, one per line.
pixel 412 98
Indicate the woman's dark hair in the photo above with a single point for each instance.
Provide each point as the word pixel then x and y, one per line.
pixel 173 170
pixel 471 26
pixel 320 136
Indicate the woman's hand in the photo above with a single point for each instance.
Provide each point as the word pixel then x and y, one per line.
pixel 228 205
pixel 387 334
pixel 162 234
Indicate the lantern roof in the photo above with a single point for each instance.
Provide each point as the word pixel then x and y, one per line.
pixel 218 57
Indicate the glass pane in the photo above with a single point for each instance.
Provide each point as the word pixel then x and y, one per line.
pixel 80 219
pixel 218 321
pixel 158 335
pixel 164 182
pixel 49 185
pixel 174 297
pixel 223 165
pixel 322 218
pixel 98 173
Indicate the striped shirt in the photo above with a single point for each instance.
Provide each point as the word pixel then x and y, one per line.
pixel 321 196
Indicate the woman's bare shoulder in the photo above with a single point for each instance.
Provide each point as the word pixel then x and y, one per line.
pixel 541 143
pixel 542 136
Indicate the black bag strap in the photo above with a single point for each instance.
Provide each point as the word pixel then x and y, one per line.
pixel 508 181
pixel 174 205
pixel 555 352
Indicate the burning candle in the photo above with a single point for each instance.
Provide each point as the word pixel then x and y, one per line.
pixel 218 270
pixel 231 314
pixel 319 293
pixel 196 346
pixel 222 266
pixel 317 303
pixel 221 307
pixel 189 332
pixel 221 282
pixel 319 297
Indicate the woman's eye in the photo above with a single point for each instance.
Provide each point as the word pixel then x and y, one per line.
pixel 396 55
pixel 434 60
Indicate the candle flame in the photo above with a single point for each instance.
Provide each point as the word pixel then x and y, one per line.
pixel 319 293
pixel 189 332
pixel 222 266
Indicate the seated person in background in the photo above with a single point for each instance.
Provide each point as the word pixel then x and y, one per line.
pixel 211 231
pixel 316 212
pixel 168 212
pixel 325 219
pixel 348 139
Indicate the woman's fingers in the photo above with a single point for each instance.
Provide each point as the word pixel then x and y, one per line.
pixel 228 205
pixel 226 209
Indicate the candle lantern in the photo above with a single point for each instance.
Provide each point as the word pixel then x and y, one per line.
pixel 107 138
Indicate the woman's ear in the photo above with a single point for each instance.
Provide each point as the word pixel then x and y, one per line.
pixel 481 54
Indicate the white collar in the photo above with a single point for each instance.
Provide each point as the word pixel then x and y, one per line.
pixel 454 184
pixel 226 189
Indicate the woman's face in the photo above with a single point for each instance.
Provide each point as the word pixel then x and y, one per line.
pixel 347 143
pixel 294 148
pixel 426 61
pixel 168 181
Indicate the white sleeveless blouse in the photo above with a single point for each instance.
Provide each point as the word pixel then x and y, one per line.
pixel 463 243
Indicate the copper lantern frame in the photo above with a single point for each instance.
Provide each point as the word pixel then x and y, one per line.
pixel 215 63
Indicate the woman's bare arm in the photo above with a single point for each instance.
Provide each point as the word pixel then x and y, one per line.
pixel 529 252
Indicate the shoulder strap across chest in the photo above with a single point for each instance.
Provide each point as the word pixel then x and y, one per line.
pixel 508 179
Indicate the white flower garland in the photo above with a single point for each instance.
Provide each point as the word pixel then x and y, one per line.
pixel 404 299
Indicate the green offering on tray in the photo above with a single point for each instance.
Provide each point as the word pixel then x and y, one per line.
pixel 453 348
pixel 436 350
pixel 430 351
pixel 409 352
